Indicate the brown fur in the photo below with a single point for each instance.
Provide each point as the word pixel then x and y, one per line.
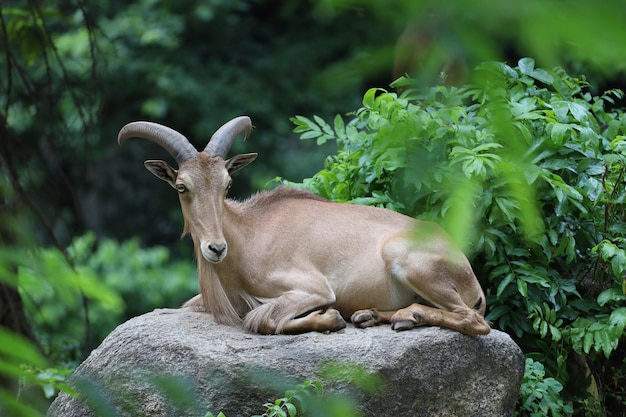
pixel 264 198
pixel 288 261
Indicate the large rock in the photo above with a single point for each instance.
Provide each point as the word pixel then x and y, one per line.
pixel 181 363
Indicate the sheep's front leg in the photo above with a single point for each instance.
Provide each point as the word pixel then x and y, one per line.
pixel 318 321
pixel 371 317
pixel 293 312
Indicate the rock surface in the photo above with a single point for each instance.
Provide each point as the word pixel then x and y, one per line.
pixel 181 363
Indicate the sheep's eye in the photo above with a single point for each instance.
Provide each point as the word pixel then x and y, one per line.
pixel 181 188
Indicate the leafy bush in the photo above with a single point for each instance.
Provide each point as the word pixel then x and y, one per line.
pixel 28 381
pixel 541 395
pixel 525 169
pixel 110 283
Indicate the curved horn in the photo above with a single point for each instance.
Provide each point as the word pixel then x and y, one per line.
pixel 223 138
pixel 173 142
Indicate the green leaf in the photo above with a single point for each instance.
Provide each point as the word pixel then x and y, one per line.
pixel 522 287
pixel 340 127
pixel 291 409
pixel 505 283
pixel 561 110
pixel 369 98
pixel 603 343
pixel 607 249
pixel 559 132
pixel 611 295
pixel 579 112
pixel 495 312
pixel 618 318
pixel 555 333
pixel 526 65
pixel 311 134
pixel 542 75
pixel 618 263
pixel 304 124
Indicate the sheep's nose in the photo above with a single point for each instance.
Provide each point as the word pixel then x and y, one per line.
pixel 217 249
pixel 214 252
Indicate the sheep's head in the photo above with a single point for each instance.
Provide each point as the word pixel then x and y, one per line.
pixel 202 179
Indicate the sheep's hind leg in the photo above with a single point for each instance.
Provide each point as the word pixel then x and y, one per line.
pixel 444 280
pixel 464 320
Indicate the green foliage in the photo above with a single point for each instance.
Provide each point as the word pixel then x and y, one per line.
pixel 602 332
pixel 74 73
pixel 28 383
pixel 524 168
pixel 179 394
pixel 15 351
pixel 541 394
pixel 354 375
pixel 293 401
pixel 22 362
pixel 111 282
pixel 307 399
pixel 71 308
pixel 588 32
pixel 51 380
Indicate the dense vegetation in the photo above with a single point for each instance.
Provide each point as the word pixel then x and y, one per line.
pixel 526 170
pixel 523 165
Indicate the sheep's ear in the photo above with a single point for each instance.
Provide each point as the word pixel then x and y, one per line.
pixel 163 171
pixel 239 161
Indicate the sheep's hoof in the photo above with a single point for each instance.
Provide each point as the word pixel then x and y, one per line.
pixel 365 318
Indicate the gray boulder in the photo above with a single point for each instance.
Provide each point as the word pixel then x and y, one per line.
pixel 181 363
